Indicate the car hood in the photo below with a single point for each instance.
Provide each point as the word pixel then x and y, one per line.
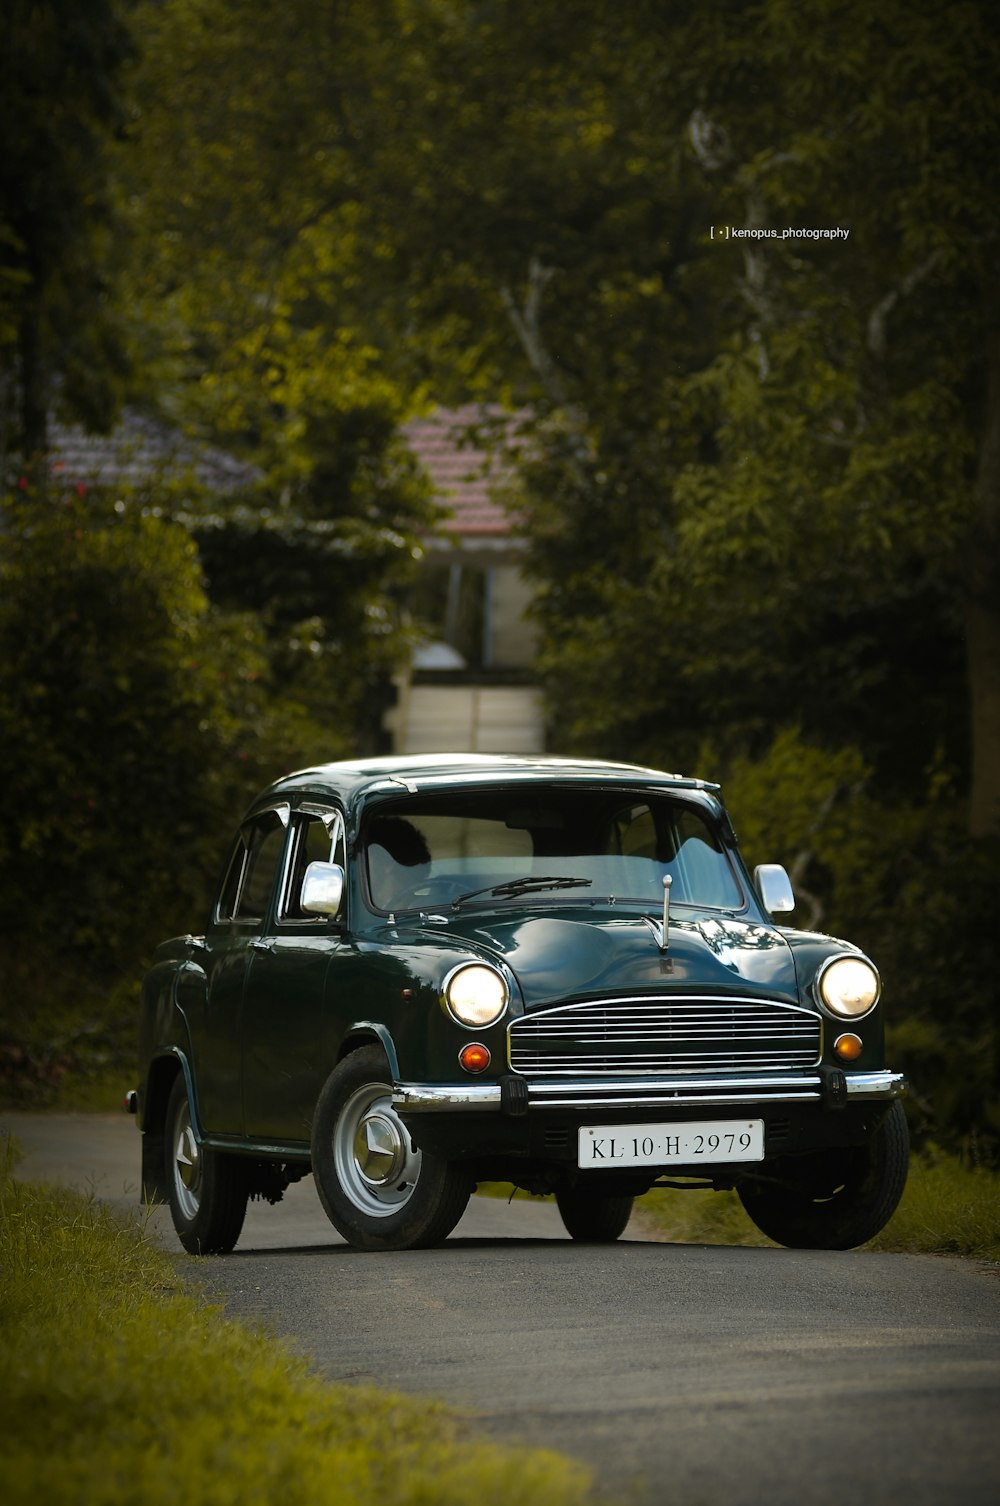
pixel 580 953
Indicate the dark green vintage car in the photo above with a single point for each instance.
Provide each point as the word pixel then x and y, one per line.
pixel 423 973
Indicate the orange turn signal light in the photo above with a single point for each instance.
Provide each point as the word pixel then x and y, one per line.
pixel 474 1057
pixel 848 1047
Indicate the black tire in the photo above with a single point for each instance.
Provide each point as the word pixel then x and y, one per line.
pixel 593 1219
pixel 208 1190
pixel 378 1190
pixel 836 1200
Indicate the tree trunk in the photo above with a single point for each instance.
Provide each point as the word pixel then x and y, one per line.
pixel 982 615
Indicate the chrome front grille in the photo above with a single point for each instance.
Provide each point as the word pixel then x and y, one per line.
pixel 669 1034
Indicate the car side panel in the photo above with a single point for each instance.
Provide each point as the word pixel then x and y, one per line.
pixel 215 1016
pixel 400 986
pixel 291 1007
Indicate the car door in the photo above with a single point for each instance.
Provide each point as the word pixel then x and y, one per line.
pixel 240 922
pixel 287 1041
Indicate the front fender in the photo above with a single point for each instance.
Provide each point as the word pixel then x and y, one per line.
pixel 810 950
pixel 362 1033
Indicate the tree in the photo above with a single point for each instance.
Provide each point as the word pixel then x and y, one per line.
pixel 877 387
pixel 61 105
pixel 138 721
pixel 770 455
pixel 249 287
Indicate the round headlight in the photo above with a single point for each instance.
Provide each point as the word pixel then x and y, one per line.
pixel 475 994
pixel 849 987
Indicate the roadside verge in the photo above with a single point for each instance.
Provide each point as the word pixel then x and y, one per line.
pixel 120 1385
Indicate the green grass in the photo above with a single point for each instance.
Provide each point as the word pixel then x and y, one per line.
pixel 947 1209
pixel 119 1386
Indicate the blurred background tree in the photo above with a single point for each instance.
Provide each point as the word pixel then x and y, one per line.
pixel 61 107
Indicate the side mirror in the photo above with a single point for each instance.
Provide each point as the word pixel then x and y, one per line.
pixel 775 888
pixel 322 889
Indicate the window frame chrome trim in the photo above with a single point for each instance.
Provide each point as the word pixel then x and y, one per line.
pixel 283 810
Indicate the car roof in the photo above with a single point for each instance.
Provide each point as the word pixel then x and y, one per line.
pixel 352 779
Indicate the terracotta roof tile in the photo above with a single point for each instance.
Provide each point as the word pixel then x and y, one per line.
pixel 466 470
pixel 466 452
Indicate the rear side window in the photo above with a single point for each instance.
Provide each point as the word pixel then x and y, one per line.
pixel 253 869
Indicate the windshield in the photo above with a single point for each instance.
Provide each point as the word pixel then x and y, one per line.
pixel 558 843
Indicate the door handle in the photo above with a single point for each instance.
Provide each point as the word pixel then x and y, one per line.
pixel 261 946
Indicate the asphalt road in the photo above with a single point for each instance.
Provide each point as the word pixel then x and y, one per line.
pixel 680 1373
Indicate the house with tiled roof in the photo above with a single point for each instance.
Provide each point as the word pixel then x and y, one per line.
pixel 140 449
pixel 471 686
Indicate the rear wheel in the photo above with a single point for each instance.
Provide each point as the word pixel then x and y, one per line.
pixel 208 1190
pixel 378 1190
pixel 593 1219
pixel 837 1199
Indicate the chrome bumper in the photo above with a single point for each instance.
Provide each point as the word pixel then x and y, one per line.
pixel 643 1093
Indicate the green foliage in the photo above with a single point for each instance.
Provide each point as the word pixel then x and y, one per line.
pixel 60 108
pixel 932 928
pixel 137 720
pixel 255 292
pixel 810 806
pixel 117 1385
pixel 325 571
pixel 904 881
pixel 758 486
pixel 254 310
pixel 68 1038
pixel 756 501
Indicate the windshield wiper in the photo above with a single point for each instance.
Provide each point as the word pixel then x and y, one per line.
pixel 524 885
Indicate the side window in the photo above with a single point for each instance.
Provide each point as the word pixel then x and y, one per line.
pixel 317 838
pixel 234 875
pixel 633 833
pixel 265 842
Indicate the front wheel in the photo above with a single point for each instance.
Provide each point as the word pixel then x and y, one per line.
pixel 835 1200
pixel 208 1190
pixel 593 1219
pixel 378 1190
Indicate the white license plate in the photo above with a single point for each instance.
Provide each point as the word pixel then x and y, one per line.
pixel 705 1142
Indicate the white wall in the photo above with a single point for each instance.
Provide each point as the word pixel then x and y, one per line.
pixel 467 719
